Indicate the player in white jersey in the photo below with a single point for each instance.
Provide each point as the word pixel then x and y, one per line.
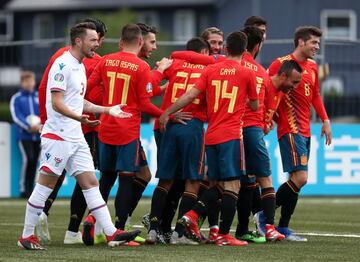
pixel 63 143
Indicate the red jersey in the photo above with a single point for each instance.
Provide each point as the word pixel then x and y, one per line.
pixel 44 81
pixel 295 108
pixel 272 101
pixel 90 64
pixel 256 118
pixel 182 76
pixel 126 80
pixel 228 85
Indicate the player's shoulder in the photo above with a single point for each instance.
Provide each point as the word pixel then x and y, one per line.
pixel 284 58
pixel 311 63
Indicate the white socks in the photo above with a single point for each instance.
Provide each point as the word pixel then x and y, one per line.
pixel 34 207
pixel 99 210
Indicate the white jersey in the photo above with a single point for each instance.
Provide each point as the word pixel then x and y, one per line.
pixel 66 75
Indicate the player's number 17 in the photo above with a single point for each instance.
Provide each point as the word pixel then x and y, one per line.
pixel 113 76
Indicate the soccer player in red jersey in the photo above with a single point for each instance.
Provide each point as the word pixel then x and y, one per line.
pixel 293 123
pixel 256 155
pixel 181 148
pixel 126 79
pixel 78 204
pixel 228 87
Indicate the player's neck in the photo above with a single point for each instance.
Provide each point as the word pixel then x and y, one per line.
pixel 299 56
pixel 76 54
pixel 131 49
pixel 234 58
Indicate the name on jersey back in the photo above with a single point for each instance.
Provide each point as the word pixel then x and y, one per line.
pixel 122 64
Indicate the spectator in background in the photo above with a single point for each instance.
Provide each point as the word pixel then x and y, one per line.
pixel 24 107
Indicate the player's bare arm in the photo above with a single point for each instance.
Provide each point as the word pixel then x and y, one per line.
pixel 326 129
pixel 57 100
pixel 183 101
pixel 115 111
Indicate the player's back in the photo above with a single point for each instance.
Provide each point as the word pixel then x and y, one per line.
pixel 126 80
pixel 182 76
pixel 228 84
pixel 256 118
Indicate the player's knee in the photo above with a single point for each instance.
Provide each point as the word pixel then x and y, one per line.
pixel 233 186
pixel 300 178
pixel 144 173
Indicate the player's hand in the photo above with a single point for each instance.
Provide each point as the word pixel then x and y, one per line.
pixel 163 120
pixel 326 129
pixel 182 117
pixel 116 111
pixel 163 64
pixel 84 119
pixel 35 128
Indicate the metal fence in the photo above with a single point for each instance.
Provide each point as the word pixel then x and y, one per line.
pixel 341 90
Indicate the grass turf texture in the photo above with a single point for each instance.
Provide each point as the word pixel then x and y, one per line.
pixel 338 216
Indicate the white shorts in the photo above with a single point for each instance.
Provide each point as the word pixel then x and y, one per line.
pixel 59 155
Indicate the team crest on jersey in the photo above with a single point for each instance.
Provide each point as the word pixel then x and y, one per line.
pixel 61 65
pixel 59 77
pixel 57 161
pixel 47 155
pixel 149 88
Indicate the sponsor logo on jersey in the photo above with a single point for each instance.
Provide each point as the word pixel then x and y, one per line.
pixel 149 88
pixel 47 155
pixel 61 65
pixel 59 77
pixel 57 161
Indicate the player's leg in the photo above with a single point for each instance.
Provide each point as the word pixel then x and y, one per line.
pixel 84 173
pixel 294 151
pixel 127 165
pixel 78 203
pixel 142 178
pixel 232 161
pixel 166 172
pixel 191 145
pixel 53 159
pixel 209 197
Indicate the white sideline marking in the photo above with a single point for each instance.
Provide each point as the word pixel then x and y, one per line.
pixel 232 230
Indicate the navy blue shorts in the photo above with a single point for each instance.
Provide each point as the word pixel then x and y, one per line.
pixel 142 156
pixel 256 154
pixel 93 142
pixel 157 136
pixel 226 160
pixel 248 179
pixel 295 151
pixel 124 158
pixel 182 147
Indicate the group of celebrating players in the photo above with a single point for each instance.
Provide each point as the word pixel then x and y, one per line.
pixel 201 174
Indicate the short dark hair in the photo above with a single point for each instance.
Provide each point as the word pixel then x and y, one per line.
pixel 26 75
pixel 197 44
pixel 236 43
pixel 305 32
pixel 145 29
pixel 254 37
pixel 100 25
pixel 79 30
pixel 288 66
pixel 255 21
pixel 211 30
pixel 130 33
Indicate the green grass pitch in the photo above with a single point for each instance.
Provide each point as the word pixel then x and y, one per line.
pixel 332 226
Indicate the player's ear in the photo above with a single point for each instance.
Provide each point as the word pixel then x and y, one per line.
pixel 204 51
